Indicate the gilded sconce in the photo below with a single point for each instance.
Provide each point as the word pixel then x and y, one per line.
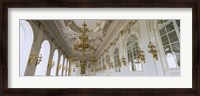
pixel 59 66
pixel 123 60
pixel 141 56
pixel 152 50
pixel 32 58
pixel 39 59
pixel 51 64
pixel 110 65
pixel 118 63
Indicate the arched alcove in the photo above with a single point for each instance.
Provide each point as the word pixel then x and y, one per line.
pixel 44 53
pixel 132 52
pixel 60 65
pixel 55 61
pixel 65 65
pixel 26 41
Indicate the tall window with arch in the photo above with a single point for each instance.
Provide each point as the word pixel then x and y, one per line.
pixel 60 65
pixel 54 61
pixel 64 68
pixel 26 41
pixel 116 57
pixel 169 31
pixel 67 69
pixel 132 51
pixel 44 54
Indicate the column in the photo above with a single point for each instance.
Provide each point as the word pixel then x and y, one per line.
pixel 59 55
pixel 50 63
pixel 31 67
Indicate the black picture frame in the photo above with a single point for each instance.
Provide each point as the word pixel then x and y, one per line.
pixel 194 91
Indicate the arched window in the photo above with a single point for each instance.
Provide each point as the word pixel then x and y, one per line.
pixel 132 51
pixel 116 57
pixel 55 61
pixel 26 40
pixel 60 65
pixel 67 72
pixel 65 65
pixel 169 31
pixel 44 53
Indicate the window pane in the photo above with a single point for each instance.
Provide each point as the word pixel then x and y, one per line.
pixel 171 60
pixel 178 23
pixel 170 57
pixel 173 37
pixel 167 49
pixel 170 27
pixel 164 40
pixel 176 47
pixel 178 59
pixel 129 49
pixel 162 31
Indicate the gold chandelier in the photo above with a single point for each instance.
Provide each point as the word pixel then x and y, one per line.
pixel 83 43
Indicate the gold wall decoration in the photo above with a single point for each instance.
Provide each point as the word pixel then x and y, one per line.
pixel 110 65
pixel 119 63
pixel 32 58
pixel 39 59
pixel 141 56
pixel 123 60
pixel 51 63
pixel 59 66
pixel 152 50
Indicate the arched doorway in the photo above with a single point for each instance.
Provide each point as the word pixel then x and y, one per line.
pixel 26 41
pixel 60 65
pixel 55 61
pixel 44 53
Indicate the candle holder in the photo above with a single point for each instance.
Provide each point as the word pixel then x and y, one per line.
pixel 118 63
pixel 32 58
pixel 110 65
pixel 59 66
pixel 123 60
pixel 51 64
pixel 152 50
pixel 39 59
pixel 141 56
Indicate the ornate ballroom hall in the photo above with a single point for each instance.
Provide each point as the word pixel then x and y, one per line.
pixel 95 47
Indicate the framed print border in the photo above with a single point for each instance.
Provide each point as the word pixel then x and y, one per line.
pixel 194 91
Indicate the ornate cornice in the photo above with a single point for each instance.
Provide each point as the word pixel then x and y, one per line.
pixel 113 30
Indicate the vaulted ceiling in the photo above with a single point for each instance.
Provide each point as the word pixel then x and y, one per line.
pixel 71 29
pixel 99 32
